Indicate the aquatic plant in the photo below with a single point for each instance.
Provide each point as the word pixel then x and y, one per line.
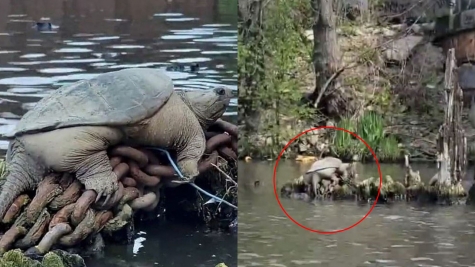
pixel 370 127
pixel 344 144
pixel 389 149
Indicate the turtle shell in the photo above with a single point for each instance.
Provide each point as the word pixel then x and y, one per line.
pixel 327 162
pixel 115 98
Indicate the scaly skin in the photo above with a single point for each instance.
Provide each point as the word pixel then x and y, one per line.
pixel 178 125
pixel 23 174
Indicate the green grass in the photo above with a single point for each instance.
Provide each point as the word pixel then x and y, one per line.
pixel 370 127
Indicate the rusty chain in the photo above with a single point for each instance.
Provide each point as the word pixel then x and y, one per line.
pixel 63 213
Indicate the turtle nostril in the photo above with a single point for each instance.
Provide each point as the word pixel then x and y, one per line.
pixel 220 91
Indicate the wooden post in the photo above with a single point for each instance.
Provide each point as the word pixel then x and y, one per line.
pixel 451 140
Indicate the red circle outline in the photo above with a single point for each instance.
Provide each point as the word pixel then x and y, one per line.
pixel 338 230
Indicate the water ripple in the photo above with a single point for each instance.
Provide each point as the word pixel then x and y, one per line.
pixel 28 75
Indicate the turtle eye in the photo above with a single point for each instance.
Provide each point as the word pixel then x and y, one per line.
pixel 220 91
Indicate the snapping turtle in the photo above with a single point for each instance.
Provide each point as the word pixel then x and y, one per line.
pixel 326 169
pixel 71 129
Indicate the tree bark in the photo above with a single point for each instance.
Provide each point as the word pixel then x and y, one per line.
pixel 250 31
pixel 326 51
pixel 451 140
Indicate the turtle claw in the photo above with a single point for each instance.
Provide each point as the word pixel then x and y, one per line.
pixel 108 198
pixel 103 188
pixel 99 195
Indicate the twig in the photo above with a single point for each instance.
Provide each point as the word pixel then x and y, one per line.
pixel 327 83
pixel 225 174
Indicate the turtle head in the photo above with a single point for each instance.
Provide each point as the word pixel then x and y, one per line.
pixel 208 105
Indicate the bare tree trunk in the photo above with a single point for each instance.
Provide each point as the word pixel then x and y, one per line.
pixel 326 51
pixel 250 30
pixel 451 140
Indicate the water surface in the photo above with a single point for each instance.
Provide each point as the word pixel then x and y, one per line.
pixel 393 235
pixel 89 37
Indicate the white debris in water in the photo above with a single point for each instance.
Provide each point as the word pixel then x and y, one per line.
pixel 138 244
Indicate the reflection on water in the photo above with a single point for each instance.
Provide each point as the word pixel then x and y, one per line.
pixel 393 235
pixel 89 37
pixel 171 245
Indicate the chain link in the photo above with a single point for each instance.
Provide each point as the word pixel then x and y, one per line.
pixel 62 213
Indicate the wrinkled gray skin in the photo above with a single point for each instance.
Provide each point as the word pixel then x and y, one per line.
pixel 325 170
pixel 71 129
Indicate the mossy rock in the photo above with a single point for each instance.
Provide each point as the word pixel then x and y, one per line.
pixel 343 192
pixel 390 190
pixel 56 258
pixel 453 194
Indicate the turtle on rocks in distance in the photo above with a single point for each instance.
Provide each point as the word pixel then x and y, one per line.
pixel 71 129
pixel 326 169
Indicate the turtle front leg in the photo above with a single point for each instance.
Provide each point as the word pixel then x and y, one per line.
pixel 316 179
pixel 189 156
pixel 95 172
pixel 80 150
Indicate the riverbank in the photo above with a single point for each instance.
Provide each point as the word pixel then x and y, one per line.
pixel 392 70
pixel 363 137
